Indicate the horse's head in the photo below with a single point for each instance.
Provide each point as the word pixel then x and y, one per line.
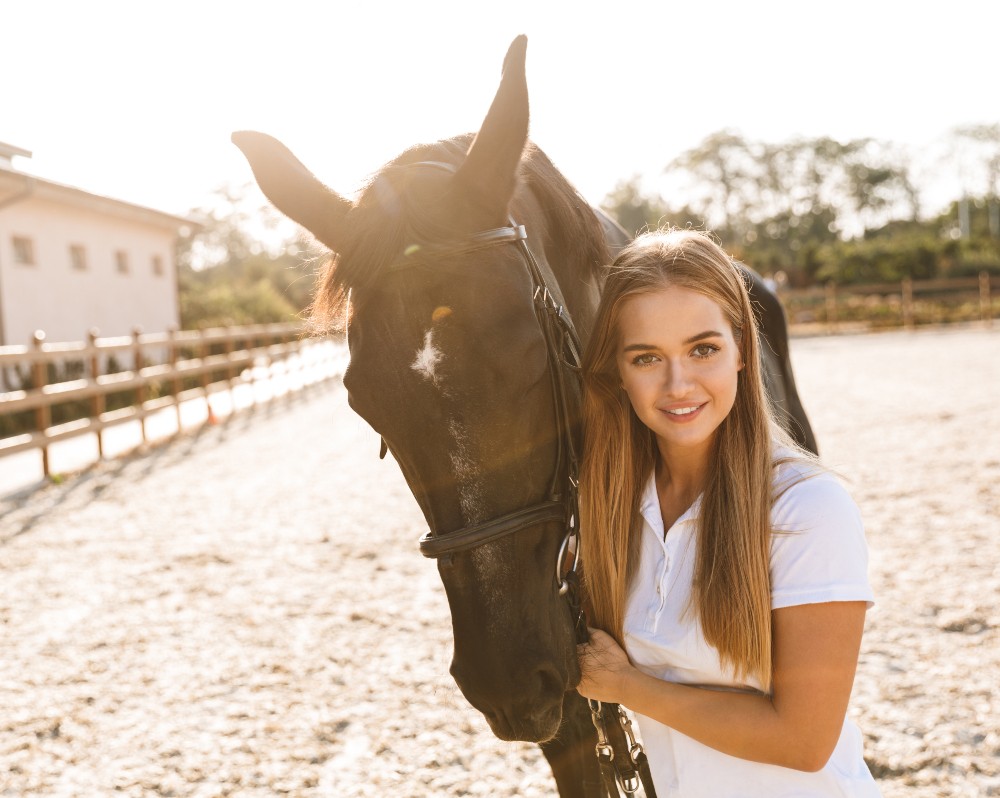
pixel 449 364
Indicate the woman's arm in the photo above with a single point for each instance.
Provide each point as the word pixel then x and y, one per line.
pixel 815 655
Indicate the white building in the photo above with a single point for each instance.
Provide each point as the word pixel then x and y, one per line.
pixel 71 260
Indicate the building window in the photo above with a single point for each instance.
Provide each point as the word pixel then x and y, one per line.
pixel 24 251
pixel 121 261
pixel 78 257
pixel 157 265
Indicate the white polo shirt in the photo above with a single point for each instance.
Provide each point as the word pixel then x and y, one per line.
pixel 822 558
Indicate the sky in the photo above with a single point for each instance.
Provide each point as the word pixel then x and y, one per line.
pixel 136 100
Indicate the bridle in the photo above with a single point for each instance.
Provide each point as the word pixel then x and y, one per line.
pixel 563 351
pixel 621 760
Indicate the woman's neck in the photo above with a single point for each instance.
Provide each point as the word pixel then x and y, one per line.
pixel 682 473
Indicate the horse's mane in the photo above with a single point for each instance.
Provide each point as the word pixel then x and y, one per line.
pixel 383 221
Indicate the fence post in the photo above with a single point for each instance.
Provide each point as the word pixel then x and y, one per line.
pixel 907 289
pixel 985 301
pixel 231 330
pixel 270 338
pixel 140 389
pixel 830 290
pixel 206 377
pixel 39 379
pixel 273 339
pixel 250 344
pixel 175 382
pixel 289 363
pixel 302 353
pixel 97 403
pixel 298 353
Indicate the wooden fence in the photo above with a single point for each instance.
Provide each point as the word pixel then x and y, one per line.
pixel 906 303
pixel 167 369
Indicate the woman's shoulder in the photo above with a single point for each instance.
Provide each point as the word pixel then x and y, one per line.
pixel 818 549
pixel 806 494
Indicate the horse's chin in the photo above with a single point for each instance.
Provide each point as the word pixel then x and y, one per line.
pixel 538 727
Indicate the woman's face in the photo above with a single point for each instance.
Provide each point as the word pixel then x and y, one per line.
pixel 678 362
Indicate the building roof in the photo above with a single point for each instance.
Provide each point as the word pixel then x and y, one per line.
pixel 16 185
pixel 8 151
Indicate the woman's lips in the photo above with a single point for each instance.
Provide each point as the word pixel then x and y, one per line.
pixel 682 413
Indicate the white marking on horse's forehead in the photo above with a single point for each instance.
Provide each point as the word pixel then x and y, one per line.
pixel 427 359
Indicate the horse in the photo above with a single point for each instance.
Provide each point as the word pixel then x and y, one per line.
pixel 467 271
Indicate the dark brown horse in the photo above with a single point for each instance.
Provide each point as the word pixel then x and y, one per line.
pixel 450 364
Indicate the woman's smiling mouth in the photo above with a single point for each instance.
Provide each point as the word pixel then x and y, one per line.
pixel 682 412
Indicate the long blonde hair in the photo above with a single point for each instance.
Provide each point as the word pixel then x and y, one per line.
pixel 732 588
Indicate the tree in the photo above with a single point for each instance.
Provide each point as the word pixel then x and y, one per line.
pixel 741 185
pixel 976 150
pixel 723 180
pixel 247 265
pixel 775 204
pixel 637 211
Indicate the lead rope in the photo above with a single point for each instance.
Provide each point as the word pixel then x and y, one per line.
pixel 621 760
pixel 623 764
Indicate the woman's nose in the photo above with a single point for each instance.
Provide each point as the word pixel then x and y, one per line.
pixel 677 380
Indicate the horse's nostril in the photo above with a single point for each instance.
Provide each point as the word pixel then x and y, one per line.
pixel 550 681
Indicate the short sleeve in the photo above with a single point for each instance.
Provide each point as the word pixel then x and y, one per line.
pixel 818 548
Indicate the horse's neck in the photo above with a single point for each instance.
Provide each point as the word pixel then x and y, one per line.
pixel 614 233
pixel 581 286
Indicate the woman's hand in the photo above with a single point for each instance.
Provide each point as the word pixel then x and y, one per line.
pixel 604 668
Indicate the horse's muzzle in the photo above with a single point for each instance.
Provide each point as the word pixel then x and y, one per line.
pixel 527 707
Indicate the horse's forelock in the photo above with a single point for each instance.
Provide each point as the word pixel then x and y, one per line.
pixel 384 214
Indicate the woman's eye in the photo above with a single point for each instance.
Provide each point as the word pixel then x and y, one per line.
pixel 643 360
pixel 705 351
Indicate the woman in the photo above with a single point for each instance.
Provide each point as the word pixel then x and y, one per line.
pixel 728 565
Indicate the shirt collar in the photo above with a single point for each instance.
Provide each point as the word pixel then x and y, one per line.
pixel 649 508
pixel 649 504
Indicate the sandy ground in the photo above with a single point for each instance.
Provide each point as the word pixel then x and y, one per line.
pixel 244 611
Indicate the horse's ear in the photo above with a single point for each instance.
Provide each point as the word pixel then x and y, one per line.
pixel 293 189
pixel 490 169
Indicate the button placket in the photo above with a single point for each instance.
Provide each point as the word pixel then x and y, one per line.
pixel 669 544
pixel 661 584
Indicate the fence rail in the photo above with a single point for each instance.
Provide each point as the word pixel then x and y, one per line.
pixel 167 369
pixel 905 303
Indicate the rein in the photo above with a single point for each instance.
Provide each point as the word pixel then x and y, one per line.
pixel 621 760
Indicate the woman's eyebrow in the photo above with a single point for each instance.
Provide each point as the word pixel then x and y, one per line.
pixel 703 335
pixel 699 337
